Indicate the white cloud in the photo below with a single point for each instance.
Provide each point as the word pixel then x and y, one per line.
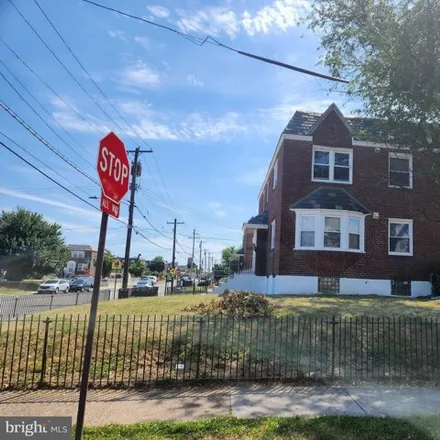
pixel 117 34
pixel 143 41
pixel 281 15
pixel 140 75
pixel 217 209
pixel 159 11
pixel 211 20
pixel 253 177
pixel 194 81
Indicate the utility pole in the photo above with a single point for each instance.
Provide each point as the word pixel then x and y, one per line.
pixel 135 172
pixel 205 267
pixel 173 263
pixel 200 258
pixel 192 261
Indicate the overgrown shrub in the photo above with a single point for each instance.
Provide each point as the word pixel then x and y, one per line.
pixel 235 303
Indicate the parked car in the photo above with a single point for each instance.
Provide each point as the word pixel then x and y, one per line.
pixel 54 286
pixel 204 282
pixel 151 278
pixel 185 281
pixel 81 284
pixel 144 283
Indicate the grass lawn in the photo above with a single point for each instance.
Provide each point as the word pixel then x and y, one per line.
pixel 320 428
pixel 7 291
pixel 345 306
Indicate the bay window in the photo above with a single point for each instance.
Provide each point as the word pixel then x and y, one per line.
pixel 329 230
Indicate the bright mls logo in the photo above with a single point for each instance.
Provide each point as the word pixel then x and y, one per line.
pixel 17 428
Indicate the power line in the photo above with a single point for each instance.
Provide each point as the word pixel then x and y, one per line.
pixel 71 107
pixel 44 142
pixel 41 118
pixel 63 65
pixel 200 42
pixel 46 175
pixel 102 92
pixel 40 161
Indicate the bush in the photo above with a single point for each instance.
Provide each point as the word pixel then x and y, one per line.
pixel 235 303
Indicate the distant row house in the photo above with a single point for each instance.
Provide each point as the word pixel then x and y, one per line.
pixel 340 214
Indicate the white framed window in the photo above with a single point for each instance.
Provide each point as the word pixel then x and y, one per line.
pixel 267 192
pixel 400 170
pixel 275 175
pixel 82 267
pixel 400 237
pixel 78 254
pixel 307 238
pixel 332 165
pixel 272 234
pixel 329 230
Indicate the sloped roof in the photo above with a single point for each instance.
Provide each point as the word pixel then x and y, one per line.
pixel 80 247
pixel 330 198
pixel 303 123
pixel 260 219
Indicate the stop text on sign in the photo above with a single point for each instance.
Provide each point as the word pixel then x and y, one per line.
pixel 113 166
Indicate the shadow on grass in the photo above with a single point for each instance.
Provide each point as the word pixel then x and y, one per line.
pixel 320 428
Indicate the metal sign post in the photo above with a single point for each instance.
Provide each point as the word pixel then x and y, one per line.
pixel 113 171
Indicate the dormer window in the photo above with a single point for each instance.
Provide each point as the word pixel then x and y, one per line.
pixel 332 165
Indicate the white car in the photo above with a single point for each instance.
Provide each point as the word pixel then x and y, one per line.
pixel 54 286
pixel 144 283
pixel 151 278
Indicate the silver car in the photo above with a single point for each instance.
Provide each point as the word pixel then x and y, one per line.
pixel 54 286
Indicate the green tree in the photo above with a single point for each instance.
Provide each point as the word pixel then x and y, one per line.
pixel 230 259
pixel 107 263
pixel 389 50
pixel 30 247
pixel 157 264
pixel 137 269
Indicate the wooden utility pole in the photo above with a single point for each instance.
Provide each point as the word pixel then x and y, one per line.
pixel 173 263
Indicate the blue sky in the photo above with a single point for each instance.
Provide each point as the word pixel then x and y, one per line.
pixel 211 116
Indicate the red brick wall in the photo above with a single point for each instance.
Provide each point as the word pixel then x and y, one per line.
pixel 370 187
pixel 248 249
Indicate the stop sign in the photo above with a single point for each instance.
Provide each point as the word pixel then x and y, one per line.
pixel 113 168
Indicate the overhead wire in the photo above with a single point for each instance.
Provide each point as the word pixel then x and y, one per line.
pixel 45 110
pixel 45 122
pixel 64 101
pixel 103 94
pixel 208 39
pixel 44 142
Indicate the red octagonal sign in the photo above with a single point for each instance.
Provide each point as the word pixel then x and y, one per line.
pixel 113 168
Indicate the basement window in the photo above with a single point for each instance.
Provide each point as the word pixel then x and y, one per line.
pixel 328 285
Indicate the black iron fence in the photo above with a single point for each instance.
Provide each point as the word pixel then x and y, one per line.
pixel 135 351
pixel 185 290
pixel 27 304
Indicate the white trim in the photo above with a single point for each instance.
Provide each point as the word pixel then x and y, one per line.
pixel 253 226
pixel 411 236
pixel 396 155
pixel 282 138
pixel 357 143
pixel 331 165
pixel 320 215
pixel 275 175
pixel 272 234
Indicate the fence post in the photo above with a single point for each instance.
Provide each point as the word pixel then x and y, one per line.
pixel 46 322
pixel 15 306
pixel 77 295
pixel 51 301
pixel 199 348
pixel 333 345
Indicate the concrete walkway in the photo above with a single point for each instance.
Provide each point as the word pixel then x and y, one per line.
pixel 247 400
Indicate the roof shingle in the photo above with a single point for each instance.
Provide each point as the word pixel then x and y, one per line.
pixel 330 198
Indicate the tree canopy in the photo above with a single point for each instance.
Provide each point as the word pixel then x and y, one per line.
pixel 30 246
pixel 137 269
pixel 157 264
pixel 390 52
pixel 107 263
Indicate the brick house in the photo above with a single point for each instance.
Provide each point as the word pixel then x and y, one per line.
pixel 82 260
pixel 340 214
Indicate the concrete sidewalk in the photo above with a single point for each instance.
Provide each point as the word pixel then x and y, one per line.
pixel 247 400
